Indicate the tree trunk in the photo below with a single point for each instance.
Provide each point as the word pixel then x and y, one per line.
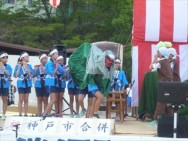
pixel 44 2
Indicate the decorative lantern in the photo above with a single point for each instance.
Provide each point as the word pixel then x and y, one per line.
pixel 55 3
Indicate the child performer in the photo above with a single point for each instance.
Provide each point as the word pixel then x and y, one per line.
pixel 61 82
pixel 51 68
pixel 23 72
pixel 5 73
pixel 119 78
pixel 72 91
pixel 41 93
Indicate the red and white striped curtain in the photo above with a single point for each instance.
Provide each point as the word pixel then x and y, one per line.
pixel 154 21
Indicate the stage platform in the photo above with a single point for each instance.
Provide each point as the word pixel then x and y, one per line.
pixel 130 130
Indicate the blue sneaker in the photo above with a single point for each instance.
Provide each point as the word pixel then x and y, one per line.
pixel 77 116
pixel 3 117
pixel 71 115
pixel 82 113
pixel 153 123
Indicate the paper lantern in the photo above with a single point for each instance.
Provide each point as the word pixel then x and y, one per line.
pixel 55 3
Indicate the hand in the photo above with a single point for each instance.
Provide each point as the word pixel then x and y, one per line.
pixel 43 69
pixel 36 67
pixel 67 69
pixel 2 68
pixel 19 65
pixel 1 64
pixel 56 65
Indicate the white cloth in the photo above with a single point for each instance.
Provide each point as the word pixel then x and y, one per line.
pixel 53 51
pixel 3 55
pixel 157 65
pixel 42 56
pixel 24 55
pixel 172 51
pixel 59 57
pixel 172 65
pixel 164 52
pixel 129 92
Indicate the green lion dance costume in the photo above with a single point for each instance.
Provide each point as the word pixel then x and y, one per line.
pixel 90 65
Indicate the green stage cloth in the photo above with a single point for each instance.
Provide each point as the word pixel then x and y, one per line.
pixel 148 96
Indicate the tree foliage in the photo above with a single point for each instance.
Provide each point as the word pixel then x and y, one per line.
pixel 72 23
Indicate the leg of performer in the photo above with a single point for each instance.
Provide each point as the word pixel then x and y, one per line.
pixel 81 103
pixel 99 98
pixel 26 98
pixel 57 103
pixel 90 107
pixel 45 100
pixel 77 103
pixel 4 99
pixel 60 103
pixel 53 99
pixel 71 101
pixel 39 103
pixel 20 102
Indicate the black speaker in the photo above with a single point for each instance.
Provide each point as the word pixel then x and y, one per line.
pixel 165 126
pixel 62 50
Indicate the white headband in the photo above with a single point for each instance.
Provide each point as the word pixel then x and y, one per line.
pixel 118 61
pixel 24 55
pixel 3 55
pixel 59 57
pixel 42 56
pixel 53 51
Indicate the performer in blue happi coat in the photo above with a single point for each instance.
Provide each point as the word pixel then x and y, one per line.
pixel 41 93
pixel 72 91
pixel 5 74
pixel 23 71
pixel 61 82
pixel 119 80
pixel 51 68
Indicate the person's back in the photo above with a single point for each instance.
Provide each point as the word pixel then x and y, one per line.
pixel 175 70
pixel 162 65
pixel 164 72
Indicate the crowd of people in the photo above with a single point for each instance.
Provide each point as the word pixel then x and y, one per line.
pixel 165 62
pixel 52 77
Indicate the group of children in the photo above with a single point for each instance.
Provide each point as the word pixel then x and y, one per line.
pixel 166 64
pixel 50 81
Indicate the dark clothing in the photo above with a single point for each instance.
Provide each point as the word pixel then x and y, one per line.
pixel 51 89
pixel 24 90
pixel 4 91
pixel 73 91
pixel 161 109
pixel 41 92
pixel 175 70
pixel 164 74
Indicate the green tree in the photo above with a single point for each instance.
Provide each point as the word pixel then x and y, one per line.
pixel 72 23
